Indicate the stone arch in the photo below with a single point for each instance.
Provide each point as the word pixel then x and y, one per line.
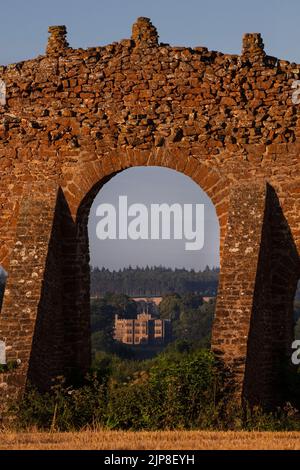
pixel 74 202
pixel 60 338
pixel 90 177
pixel 74 118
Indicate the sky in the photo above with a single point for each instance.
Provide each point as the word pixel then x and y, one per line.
pixel 216 24
pixel 154 185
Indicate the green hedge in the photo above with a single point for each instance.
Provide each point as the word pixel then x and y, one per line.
pixel 179 390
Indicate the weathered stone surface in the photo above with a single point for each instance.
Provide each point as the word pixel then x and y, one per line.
pixel 57 41
pixel 143 32
pixel 74 118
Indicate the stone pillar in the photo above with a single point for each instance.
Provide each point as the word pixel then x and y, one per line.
pixel 253 328
pixel 57 42
pixel 45 318
pixel 253 47
pixel 238 276
pixel 24 285
pixel 144 33
pixel 272 321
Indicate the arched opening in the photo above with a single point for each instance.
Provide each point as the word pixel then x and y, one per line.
pixel 259 297
pixel 62 343
pixel 151 289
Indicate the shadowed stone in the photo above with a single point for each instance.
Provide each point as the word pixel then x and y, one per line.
pixel 74 118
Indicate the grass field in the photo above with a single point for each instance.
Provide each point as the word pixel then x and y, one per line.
pixel 164 440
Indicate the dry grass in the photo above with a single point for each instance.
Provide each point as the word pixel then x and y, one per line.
pixel 162 440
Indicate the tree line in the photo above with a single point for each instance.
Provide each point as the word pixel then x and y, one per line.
pixel 154 281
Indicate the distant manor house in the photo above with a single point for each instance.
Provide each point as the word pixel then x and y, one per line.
pixel 142 330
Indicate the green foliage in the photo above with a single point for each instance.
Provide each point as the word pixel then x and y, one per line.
pixel 179 389
pixel 122 304
pixel 186 385
pixel 176 392
pixel 118 369
pixel 103 311
pixel 169 308
pixel 63 408
pixel 191 317
pixel 172 391
pixel 128 405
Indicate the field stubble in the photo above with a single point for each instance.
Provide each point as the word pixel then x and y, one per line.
pixel 160 440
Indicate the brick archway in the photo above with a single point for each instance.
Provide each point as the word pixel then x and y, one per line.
pixel 77 195
pixel 89 178
pixel 71 119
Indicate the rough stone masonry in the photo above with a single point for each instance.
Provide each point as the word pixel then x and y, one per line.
pixel 73 118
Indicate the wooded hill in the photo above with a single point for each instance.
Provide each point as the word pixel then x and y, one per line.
pixel 154 281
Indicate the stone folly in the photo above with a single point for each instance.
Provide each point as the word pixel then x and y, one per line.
pixel 73 118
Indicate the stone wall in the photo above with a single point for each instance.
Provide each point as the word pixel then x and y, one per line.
pixel 73 118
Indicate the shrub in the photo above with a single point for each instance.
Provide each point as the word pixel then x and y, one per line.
pixel 63 408
pixel 176 390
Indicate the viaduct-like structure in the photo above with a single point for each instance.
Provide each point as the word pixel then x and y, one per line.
pixel 72 119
